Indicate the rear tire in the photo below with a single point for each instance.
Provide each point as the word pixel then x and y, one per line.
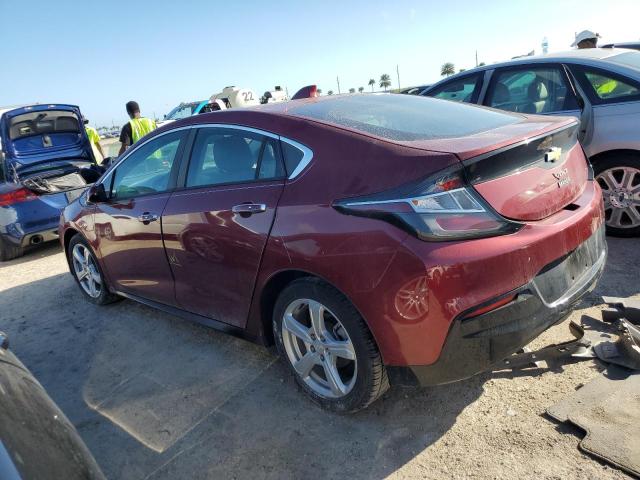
pixel 618 174
pixel 8 251
pixel 87 273
pixel 338 364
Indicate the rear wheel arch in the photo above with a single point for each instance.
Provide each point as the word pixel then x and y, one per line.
pixel 618 153
pixel 276 284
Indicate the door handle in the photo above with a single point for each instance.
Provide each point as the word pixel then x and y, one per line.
pixel 147 218
pixel 247 209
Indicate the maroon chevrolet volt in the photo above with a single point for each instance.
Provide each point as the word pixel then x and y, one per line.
pixel 375 239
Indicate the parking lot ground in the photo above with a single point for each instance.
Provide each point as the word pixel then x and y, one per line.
pixel 155 397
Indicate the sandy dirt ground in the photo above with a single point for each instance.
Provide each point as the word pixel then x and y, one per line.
pixel 155 397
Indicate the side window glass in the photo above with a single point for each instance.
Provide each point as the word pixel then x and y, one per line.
pixel 148 168
pixel 222 156
pixel 292 156
pixel 535 90
pixel 460 90
pixel 608 88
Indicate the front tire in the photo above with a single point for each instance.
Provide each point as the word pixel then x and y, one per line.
pixel 328 346
pixel 87 273
pixel 619 177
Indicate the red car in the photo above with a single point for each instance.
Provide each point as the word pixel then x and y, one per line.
pixel 375 239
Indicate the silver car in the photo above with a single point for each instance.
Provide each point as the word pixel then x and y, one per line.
pixel 599 86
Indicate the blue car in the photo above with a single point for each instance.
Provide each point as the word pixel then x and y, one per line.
pixel 46 161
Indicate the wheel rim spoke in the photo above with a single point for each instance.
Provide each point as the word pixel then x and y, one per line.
pixel 296 328
pixel 341 349
pixel 333 378
pixel 316 314
pixel 616 217
pixel 305 364
pixel 78 256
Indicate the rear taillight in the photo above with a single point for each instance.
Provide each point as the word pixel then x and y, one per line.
pixel 441 207
pixel 16 196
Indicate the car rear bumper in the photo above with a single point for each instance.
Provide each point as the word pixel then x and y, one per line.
pixel 476 342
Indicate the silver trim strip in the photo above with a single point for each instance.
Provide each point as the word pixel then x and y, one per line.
pixel 408 201
pixel 307 156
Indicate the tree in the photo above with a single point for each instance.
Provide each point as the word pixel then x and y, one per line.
pixel 330 92
pixel 461 70
pixel 361 89
pixel 447 69
pixel 481 64
pixel 372 82
pixel 352 90
pixel 385 81
pixel 319 90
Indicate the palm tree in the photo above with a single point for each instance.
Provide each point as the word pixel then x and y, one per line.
pixel 372 82
pixel 360 89
pixel 352 90
pixel 330 92
pixel 447 69
pixel 385 81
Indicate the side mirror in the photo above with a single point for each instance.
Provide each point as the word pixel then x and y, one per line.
pixel 97 194
pixel 106 161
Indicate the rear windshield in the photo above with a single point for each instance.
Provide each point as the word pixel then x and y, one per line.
pixel 404 117
pixel 630 59
pixel 40 123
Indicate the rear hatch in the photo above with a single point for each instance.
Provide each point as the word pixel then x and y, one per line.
pixel 526 171
pixel 47 151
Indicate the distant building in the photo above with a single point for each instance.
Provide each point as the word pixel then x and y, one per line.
pixel 545 46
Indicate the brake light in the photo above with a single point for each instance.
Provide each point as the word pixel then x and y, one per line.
pixel 16 196
pixel 440 207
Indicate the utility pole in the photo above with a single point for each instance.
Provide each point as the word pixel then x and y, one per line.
pixel 398 73
pixel 338 80
pixel 476 58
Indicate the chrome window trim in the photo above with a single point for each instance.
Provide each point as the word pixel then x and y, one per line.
pixel 307 154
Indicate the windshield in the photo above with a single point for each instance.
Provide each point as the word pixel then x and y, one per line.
pixel 405 117
pixel 182 111
pixel 630 59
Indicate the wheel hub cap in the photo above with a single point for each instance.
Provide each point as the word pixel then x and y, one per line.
pixel 319 348
pixel 621 193
pixel 86 271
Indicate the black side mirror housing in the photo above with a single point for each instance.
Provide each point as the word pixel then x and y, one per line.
pixel 97 194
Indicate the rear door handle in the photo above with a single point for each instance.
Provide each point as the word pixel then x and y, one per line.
pixel 147 218
pixel 249 208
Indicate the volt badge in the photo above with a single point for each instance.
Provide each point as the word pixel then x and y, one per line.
pixel 562 177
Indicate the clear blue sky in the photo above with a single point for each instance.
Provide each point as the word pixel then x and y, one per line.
pixel 100 55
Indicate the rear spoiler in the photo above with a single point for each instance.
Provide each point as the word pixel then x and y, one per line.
pixel 310 91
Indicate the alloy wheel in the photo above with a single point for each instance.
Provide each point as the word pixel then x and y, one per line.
pixel 86 270
pixel 319 348
pixel 621 193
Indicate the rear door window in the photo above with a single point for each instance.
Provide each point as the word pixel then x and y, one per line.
pixel 465 89
pixel 222 156
pixel 537 90
pixel 606 87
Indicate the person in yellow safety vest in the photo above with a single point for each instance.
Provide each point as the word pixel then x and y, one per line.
pixel 94 138
pixel 136 128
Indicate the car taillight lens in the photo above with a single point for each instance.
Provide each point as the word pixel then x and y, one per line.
pixel 16 196
pixel 441 207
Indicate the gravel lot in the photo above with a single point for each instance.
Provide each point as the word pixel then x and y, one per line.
pixel 156 397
